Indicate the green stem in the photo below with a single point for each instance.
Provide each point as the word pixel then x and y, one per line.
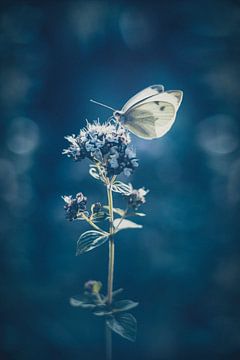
pixel 92 223
pixel 101 172
pixel 121 219
pixel 110 270
pixel 108 343
pixel 111 244
pixel 110 267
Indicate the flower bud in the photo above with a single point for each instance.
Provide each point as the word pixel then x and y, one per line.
pixel 93 286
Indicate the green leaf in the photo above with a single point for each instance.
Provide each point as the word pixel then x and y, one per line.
pixel 119 211
pixel 125 224
pixel 94 172
pixel 139 214
pixel 102 311
pixel 82 301
pixel 122 188
pixel 90 240
pixel 116 292
pixel 124 325
pixel 135 214
pixel 87 300
pixel 124 305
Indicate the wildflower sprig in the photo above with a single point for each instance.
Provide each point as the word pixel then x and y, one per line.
pixel 108 148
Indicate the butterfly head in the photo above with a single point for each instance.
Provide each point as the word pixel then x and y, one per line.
pixel 118 115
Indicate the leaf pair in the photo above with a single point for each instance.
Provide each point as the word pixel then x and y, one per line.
pixel 89 300
pixel 91 239
pixel 122 323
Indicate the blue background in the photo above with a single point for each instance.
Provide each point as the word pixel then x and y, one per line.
pixel 183 267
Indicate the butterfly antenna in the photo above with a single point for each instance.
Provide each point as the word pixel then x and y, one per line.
pixel 106 106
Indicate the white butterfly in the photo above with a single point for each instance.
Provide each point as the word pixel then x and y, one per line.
pixel 151 112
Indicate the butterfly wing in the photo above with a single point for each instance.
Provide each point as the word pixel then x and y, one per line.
pixel 154 116
pixel 174 97
pixel 143 95
pixel 148 121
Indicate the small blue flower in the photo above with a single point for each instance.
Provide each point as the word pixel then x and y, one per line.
pixel 127 171
pixel 134 163
pixel 97 155
pixel 130 153
pixel 113 163
pixel 136 198
pixel 74 206
pixel 107 144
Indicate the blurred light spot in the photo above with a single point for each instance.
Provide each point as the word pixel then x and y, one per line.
pixel 18 192
pixel 23 164
pixel 220 164
pixel 14 86
pixel 219 191
pixel 25 191
pixel 233 187
pixel 155 148
pixel 24 204
pixel 217 135
pixel 88 20
pixel 135 29
pixel 23 136
pixel 223 81
pixel 8 181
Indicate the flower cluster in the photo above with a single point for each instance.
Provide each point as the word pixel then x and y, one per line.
pixel 136 198
pixel 107 144
pixel 74 206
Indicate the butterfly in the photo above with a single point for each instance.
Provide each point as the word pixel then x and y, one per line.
pixel 150 113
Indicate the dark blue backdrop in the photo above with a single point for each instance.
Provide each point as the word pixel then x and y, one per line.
pixel 183 266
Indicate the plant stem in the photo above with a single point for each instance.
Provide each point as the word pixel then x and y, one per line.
pixel 111 244
pixel 110 267
pixel 108 343
pixel 92 223
pixel 121 220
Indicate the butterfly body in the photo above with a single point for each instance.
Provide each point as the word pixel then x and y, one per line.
pixel 150 113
